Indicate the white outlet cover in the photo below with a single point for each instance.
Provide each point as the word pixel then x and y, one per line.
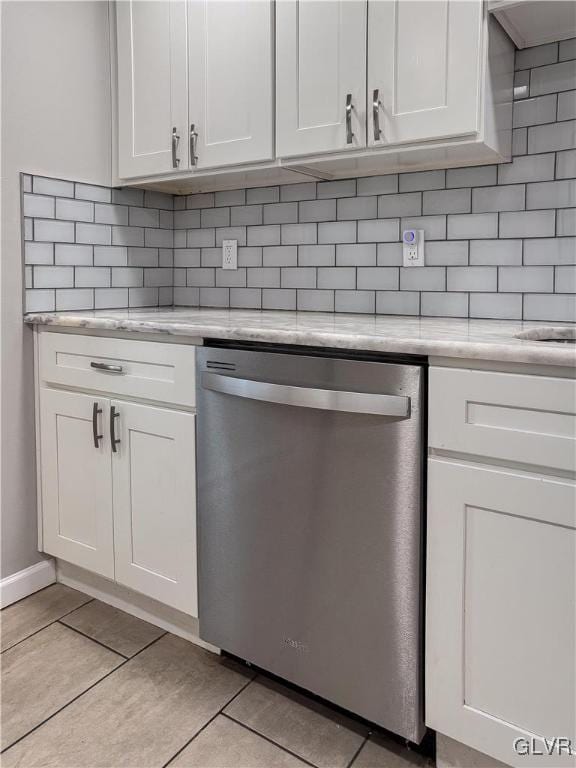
pixel 229 254
pixel 413 248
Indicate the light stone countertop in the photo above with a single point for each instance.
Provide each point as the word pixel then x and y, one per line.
pixel 441 337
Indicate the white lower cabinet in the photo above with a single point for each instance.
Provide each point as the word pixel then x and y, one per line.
pixel 76 479
pixel 501 610
pixel 155 503
pixel 118 476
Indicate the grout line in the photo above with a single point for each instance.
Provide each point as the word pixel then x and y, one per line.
pixel 49 623
pixel 220 711
pixel 116 668
pixel 360 748
pixel 269 740
pixel 93 639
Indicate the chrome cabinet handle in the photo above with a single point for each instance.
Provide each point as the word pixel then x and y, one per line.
pixel 96 410
pixel 376 114
pixel 307 397
pixel 175 141
pixel 193 141
pixel 349 108
pixel 114 441
pixel 107 367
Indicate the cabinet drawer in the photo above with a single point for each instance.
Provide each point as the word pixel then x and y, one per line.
pixel 144 369
pixel 506 416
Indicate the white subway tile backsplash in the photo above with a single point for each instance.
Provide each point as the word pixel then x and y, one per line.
pixel 496 306
pixel 377 185
pixel 504 198
pixel 551 194
pixel 550 307
pixel 281 213
pixel 394 206
pixel 495 252
pixel 262 195
pixel 70 254
pixel 346 188
pixel 349 208
pixel 373 231
pixel 567 105
pixel 335 245
pixel 280 256
pixel 317 210
pixel 398 302
pixel 46 230
pixel 355 254
pixel 527 224
pixel 74 298
pixel 553 78
pixel 553 250
pixel 526 168
pixel 471 279
pixel 566 164
pixel 318 301
pixel 552 137
pixel 39 253
pixel 472 226
pixel 39 206
pixel 355 301
pixel 415 182
pixel 91 192
pixel 447 201
pixel 96 234
pixel 283 298
pixel 535 111
pixel 294 192
pixel 74 210
pixel 44 186
pixel 53 277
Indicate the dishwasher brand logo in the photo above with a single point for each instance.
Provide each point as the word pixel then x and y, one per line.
pixel 296 645
pixel 558 745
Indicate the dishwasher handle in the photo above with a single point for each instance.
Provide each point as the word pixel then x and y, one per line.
pixel 306 397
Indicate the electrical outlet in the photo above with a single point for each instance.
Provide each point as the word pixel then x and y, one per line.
pixel 413 247
pixel 229 254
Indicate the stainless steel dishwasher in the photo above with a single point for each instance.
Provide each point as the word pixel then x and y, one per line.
pixel 310 475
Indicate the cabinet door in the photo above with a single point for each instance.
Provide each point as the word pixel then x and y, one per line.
pixel 155 503
pixel 320 62
pixel 152 93
pixel 76 480
pixel 424 60
pixel 230 80
pixel 501 609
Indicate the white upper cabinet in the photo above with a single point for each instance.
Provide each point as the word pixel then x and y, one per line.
pixel 152 97
pixel 423 69
pixel 320 76
pixel 230 82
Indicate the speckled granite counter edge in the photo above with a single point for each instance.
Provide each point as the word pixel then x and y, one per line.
pixel 530 352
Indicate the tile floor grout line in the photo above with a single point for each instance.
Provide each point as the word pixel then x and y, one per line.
pixel 122 664
pixel 270 741
pixel 360 748
pixel 199 731
pixel 37 592
pixel 93 639
pixel 91 600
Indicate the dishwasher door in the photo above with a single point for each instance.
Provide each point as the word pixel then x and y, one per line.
pixel 310 524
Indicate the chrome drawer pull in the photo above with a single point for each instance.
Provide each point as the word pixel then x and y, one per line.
pixel 376 114
pixel 175 141
pixel 108 367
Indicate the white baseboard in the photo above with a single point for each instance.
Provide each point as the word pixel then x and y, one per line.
pixel 26 582
pixel 127 600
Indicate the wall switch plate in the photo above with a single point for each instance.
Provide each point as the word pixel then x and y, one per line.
pixel 413 247
pixel 229 254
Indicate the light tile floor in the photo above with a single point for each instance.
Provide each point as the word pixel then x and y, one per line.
pixel 87 685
